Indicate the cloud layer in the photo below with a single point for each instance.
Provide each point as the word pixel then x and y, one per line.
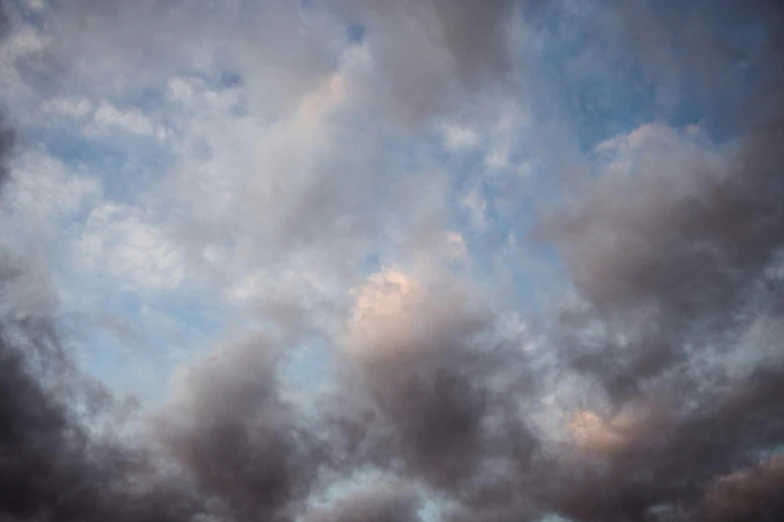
pixel 401 261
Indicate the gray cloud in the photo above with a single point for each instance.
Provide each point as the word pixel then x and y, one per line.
pixel 751 492
pixel 7 140
pixel 121 50
pixel 425 53
pixel 255 456
pixel 673 261
pixel 53 467
pixel 678 249
pixel 52 464
pixel 385 501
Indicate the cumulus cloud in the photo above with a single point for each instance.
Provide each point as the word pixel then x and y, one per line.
pixel 119 241
pixel 108 117
pixel 257 458
pixel 44 187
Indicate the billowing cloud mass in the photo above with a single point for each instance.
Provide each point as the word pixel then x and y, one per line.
pixel 392 261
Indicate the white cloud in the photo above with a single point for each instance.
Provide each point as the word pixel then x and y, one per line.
pixel 295 300
pixel 508 129
pixel 24 42
pixel 659 145
pixel 44 187
pixel 280 185
pixel 399 314
pixel 382 319
pixel 118 240
pixel 475 205
pixel 288 286
pixel 36 5
pixel 456 246
pixel 457 137
pixel 318 104
pixel 180 89
pixel 74 107
pixel 497 158
pixel 110 118
pixel 25 45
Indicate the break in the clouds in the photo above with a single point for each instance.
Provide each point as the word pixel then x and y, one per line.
pixel 399 261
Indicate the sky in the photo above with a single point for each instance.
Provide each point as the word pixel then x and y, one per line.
pixel 391 260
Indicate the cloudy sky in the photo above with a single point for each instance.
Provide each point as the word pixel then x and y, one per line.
pixel 391 260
